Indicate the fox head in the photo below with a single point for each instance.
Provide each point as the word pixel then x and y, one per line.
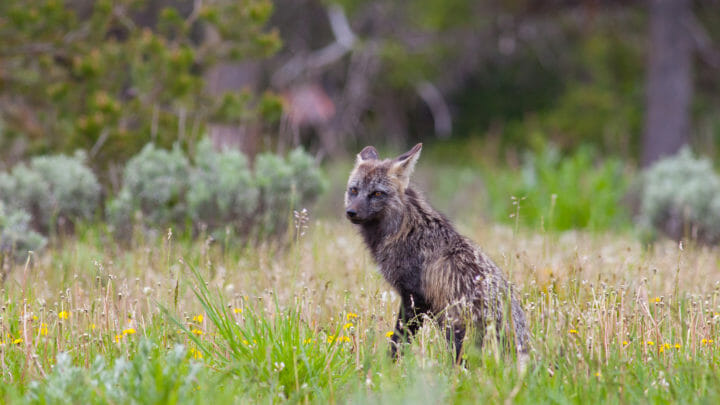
pixel 376 187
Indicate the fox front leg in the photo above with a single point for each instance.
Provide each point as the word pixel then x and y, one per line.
pixel 455 335
pixel 409 321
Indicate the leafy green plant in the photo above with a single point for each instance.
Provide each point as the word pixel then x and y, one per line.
pixel 681 198
pixel 561 193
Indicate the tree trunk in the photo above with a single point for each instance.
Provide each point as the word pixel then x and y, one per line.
pixel 669 80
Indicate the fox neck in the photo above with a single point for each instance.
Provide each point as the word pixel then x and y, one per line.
pixel 402 223
pixel 377 232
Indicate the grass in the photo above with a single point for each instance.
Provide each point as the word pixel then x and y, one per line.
pixel 175 321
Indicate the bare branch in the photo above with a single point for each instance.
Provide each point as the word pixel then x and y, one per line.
pixel 344 41
pixel 438 107
pixel 340 26
pixel 702 41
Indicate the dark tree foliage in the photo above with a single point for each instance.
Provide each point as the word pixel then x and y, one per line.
pixel 110 75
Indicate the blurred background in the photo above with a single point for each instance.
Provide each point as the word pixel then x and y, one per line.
pixel 226 116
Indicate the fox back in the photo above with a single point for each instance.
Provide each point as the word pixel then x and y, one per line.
pixel 436 271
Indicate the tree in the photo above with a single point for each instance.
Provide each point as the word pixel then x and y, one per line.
pixel 669 79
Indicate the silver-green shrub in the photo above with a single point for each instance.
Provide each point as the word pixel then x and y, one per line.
pixel 274 178
pixel 152 375
pixel 16 235
pixel 155 182
pixel 25 190
pixel 52 188
pixel 222 190
pixel 681 198
pixel 285 185
pixel 119 212
pixel 307 176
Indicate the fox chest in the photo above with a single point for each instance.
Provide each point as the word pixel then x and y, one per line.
pixel 404 272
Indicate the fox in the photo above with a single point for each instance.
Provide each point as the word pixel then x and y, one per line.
pixel 438 273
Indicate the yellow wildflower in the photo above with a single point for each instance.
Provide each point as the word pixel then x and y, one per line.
pixel 704 341
pixel 197 332
pixel 597 374
pixel 656 299
pixel 573 331
pixel 650 343
pixel 63 315
pixel 118 338
pixel 92 326
pixel 351 315
pixel 677 346
pixel 43 329
pixel 331 338
pixel 237 310
pixel 34 317
pixel 196 354
pixel 343 339
pixel 128 331
pixel 389 334
pixel 625 343
pixel 246 343
pixel 198 318
pixel 308 340
pixel 17 341
pixel 347 326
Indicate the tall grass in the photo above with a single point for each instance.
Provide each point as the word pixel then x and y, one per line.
pixel 178 321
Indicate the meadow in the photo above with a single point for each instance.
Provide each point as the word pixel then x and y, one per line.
pixel 172 320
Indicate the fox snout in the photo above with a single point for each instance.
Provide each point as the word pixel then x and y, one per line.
pixel 355 213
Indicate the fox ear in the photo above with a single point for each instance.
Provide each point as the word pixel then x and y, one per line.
pixel 368 153
pixel 403 166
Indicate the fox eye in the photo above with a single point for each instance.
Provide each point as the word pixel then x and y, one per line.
pixel 378 194
pixel 353 190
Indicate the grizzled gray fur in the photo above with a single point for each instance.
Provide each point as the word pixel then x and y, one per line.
pixel 436 271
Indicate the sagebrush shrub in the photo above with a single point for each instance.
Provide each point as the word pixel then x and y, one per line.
pixel 218 191
pixel 16 235
pixel 152 374
pixel 681 198
pixel 222 190
pixel 119 212
pixel 155 182
pixel 275 182
pixel 307 176
pixel 24 189
pixel 52 189
pixel 285 185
